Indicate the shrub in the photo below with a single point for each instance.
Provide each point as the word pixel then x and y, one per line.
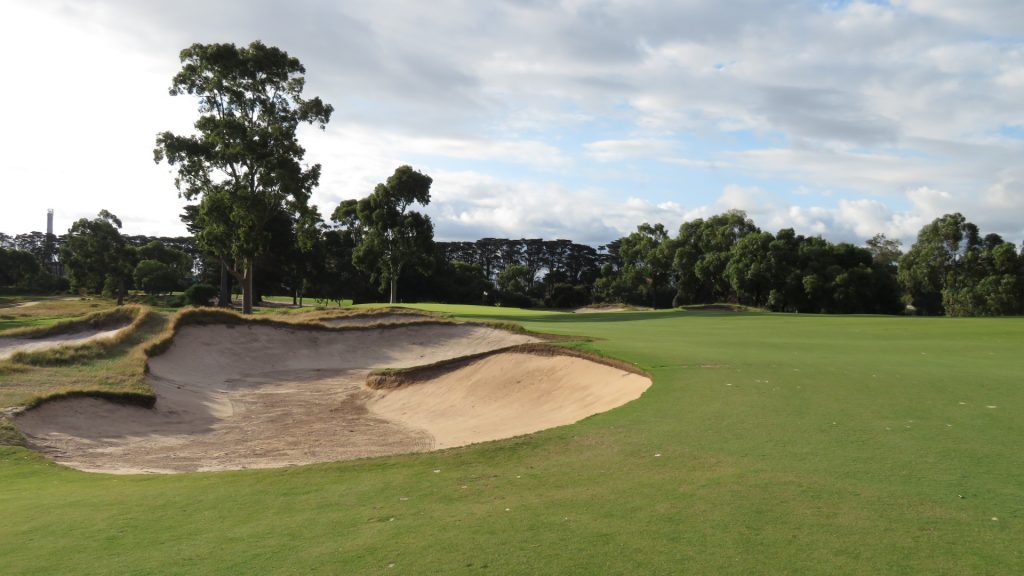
pixel 515 300
pixel 564 295
pixel 155 277
pixel 200 294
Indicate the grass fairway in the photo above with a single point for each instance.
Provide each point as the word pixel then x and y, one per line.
pixel 768 444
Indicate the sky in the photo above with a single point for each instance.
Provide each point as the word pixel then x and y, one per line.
pixel 576 119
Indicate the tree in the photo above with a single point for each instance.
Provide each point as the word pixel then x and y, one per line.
pixel 703 251
pixel 155 277
pixel 390 236
pixel 985 281
pixel 939 248
pixel 514 282
pixel 749 270
pixel 161 268
pixel 17 267
pixel 644 267
pixel 885 252
pixel 244 163
pixel 97 257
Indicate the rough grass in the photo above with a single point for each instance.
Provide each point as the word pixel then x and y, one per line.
pixel 131 318
pixel 45 311
pixel 111 368
pixel 768 444
pixel 101 320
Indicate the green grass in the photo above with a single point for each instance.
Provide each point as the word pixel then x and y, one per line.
pixel 47 311
pixel 307 302
pixel 788 444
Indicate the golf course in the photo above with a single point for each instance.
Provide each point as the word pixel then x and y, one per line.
pixel 765 444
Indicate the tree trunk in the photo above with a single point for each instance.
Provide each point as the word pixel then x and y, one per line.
pixel 394 289
pixel 120 292
pixel 224 298
pixel 247 285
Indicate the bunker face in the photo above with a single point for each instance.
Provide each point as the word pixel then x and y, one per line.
pixel 371 319
pixel 260 397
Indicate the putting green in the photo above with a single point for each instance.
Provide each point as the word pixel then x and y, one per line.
pixel 767 444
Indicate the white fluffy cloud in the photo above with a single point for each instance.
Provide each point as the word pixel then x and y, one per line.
pixel 532 116
pixel 474 205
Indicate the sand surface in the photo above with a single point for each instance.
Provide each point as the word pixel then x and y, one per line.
pixel 385 318
pixel 233 397
pixel 595 309
pixel 10 346
pixel 507 394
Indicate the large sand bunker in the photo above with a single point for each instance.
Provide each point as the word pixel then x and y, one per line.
pixel 252 396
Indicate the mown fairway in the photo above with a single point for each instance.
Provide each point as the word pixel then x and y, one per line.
pixel 768 444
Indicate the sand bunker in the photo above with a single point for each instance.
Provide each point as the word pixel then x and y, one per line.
pixel 370 319
pixel 596 309
pixel 11 346
pixel 232 397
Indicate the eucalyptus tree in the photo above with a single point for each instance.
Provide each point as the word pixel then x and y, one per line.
pixel 390 236
pixel 17 267
pixel 940 247
pixel 96 256
pixel 244 163
pixel 644 267
pixel 702 254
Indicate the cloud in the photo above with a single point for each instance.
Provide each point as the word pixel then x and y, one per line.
pixel 470 205
pixel 614 150
pixel 880 104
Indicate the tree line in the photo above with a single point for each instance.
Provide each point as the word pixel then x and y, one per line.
pixel 950 269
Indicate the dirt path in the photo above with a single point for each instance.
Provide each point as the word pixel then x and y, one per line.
pixel 259 397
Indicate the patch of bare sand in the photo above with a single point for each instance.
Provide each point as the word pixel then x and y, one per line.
pixel 593 309
pixel 507 394
pixel 10 346
pixel 232 397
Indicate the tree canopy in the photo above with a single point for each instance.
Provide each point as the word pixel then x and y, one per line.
pixel 96 256
pixel 244 163
pixel 389 235
pixel 953 270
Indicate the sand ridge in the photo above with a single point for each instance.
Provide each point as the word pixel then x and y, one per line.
pixel 256 396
